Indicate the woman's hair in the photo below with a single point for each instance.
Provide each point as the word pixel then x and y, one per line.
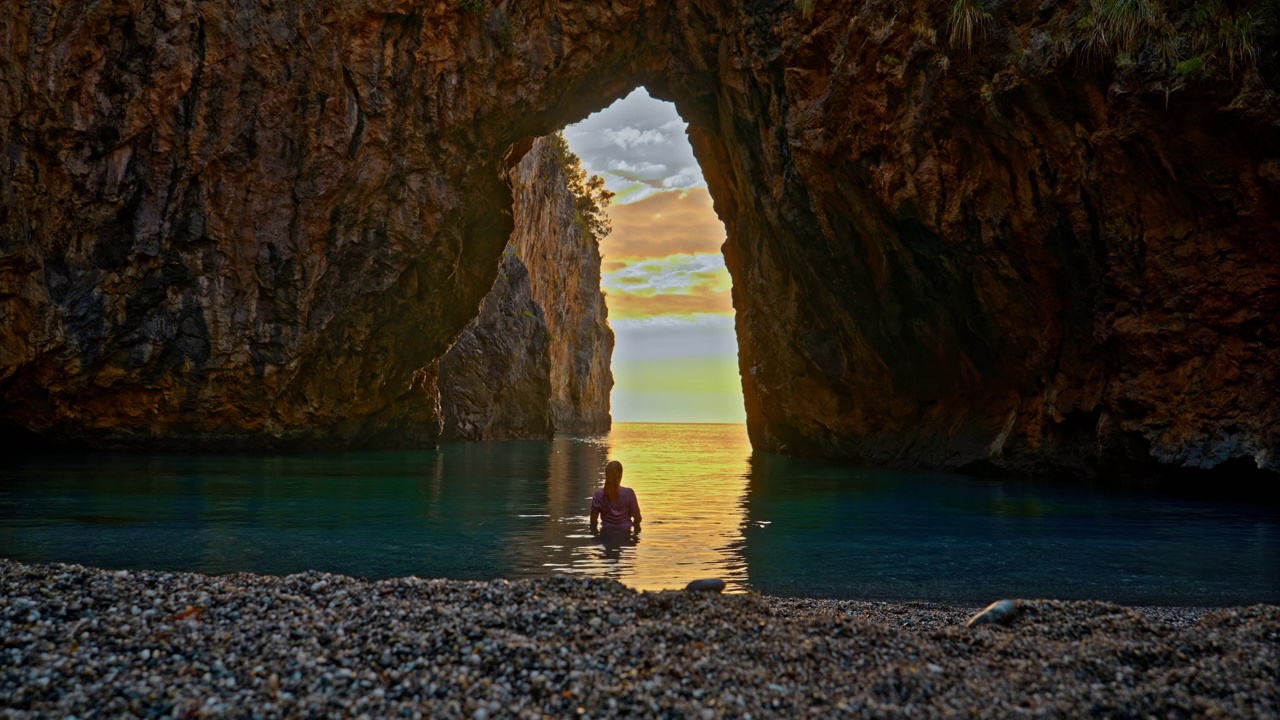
pixel 612 479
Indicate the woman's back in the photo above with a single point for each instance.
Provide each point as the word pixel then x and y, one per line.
pixel 618 512
pixel 617 504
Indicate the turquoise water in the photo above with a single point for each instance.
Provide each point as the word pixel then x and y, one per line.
pixel 712 508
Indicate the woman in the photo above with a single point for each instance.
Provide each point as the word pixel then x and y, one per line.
pixel 617 504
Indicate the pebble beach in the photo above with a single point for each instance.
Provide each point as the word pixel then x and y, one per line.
pixel 80 642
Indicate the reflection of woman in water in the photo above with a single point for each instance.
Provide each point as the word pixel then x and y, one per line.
pixel 617 504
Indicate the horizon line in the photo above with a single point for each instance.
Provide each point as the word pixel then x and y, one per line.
pixel 674 422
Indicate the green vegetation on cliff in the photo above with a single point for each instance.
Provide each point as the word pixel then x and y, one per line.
pixel 1180 37
pixel 590 195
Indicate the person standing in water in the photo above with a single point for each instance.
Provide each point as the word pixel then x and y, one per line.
pixel 617 504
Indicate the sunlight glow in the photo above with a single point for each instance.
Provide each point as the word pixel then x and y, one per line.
pixel 691 484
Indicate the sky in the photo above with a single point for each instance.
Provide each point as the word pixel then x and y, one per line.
pixel 667 288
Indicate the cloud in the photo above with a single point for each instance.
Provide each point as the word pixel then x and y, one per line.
pixel 686 178
pixel 673 273
pixel 696 324
pixel 665 223
pixel 629 137
pixel 624 168
pixel 627 191
pixel 676 284
pixel 663 257
pixel 624 281
pixel 635 144
pixel 625 305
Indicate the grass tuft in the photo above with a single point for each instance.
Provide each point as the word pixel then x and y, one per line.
pixel 1237 37
pixel 965 19
pixel 1215 30
pixel 1114 27
pixel 1166 45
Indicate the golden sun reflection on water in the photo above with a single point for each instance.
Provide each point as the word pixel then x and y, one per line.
pixel 691 483
pixel 480 511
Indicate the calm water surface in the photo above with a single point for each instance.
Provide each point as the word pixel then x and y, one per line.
pixel 711 507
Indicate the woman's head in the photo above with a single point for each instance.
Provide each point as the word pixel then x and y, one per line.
pixel 612 479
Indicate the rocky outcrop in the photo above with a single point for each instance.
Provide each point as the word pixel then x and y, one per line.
pixel 494 382
pixel 536 359
pixel 563 255
pixel 230 224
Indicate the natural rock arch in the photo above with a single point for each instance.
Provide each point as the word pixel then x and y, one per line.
pixel 232 225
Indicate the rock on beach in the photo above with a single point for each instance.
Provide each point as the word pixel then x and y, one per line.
pixel 998 612
pixel 714 585
pixel 85 642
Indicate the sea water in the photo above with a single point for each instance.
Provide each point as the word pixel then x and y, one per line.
pixel 711 508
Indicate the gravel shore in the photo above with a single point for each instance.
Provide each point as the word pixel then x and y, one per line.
pixel 94 643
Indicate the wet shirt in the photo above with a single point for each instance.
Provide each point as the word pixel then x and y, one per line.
pixel 618 513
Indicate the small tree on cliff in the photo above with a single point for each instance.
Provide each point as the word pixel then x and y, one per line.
pixel 590 197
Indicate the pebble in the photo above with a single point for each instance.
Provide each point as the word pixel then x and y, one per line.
pixel 265 646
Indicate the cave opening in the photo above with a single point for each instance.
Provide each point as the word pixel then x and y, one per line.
pixel 675 357
pixel 612 300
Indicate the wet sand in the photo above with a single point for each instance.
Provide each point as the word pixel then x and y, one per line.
pixel 99 643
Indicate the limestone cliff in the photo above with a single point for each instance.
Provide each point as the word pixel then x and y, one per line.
pixel 536 358
pixel 239 224
pixel 563 255
pixel 495 382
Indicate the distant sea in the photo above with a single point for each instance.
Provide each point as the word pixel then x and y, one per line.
pixel 712 508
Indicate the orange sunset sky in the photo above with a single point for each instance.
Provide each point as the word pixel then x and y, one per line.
pixel 676 357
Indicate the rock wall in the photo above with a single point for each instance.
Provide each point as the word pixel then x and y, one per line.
pixel 563 256
pixel 234 224
pixel 495 382
pixel 230 225
pixel 1017 257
